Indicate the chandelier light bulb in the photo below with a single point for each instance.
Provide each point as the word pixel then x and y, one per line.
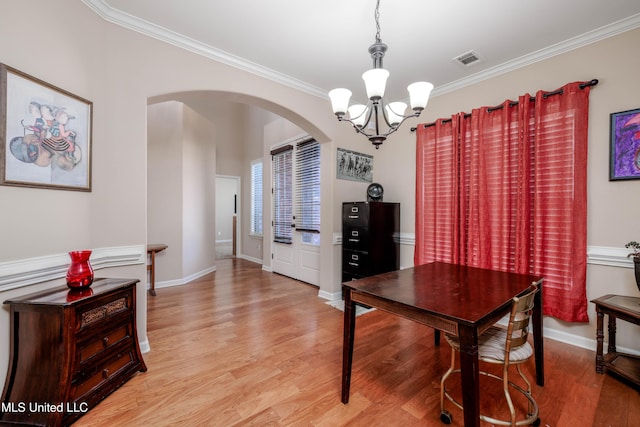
pixel 375 80
pixel 340 100
pixel 419 93
pixel 358 114
pixel 395 112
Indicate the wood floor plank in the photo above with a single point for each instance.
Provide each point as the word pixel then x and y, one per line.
pixel 245 347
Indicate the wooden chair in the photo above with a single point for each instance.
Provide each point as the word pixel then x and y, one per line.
pixel 505 346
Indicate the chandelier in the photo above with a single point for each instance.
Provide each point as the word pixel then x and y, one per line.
pixel 378 119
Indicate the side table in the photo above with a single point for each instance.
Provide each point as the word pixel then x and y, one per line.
pixel 152 250
pixel 624 308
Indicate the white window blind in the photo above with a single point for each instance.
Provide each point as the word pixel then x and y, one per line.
pixel 308 186
pixel 256 197
pixel 281 160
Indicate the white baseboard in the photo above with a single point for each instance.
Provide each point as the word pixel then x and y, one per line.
pixel 144 346
pixel 331 296
pixel 582 342
pixel 185 280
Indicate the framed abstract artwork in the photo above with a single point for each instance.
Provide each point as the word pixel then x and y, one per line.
pixel 625 145
pixel 45 134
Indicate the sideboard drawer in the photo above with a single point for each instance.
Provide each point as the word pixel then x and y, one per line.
pixel 104 312
pixel 103 373
pixel 100 343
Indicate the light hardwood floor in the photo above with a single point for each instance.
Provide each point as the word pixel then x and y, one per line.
pixel 244 347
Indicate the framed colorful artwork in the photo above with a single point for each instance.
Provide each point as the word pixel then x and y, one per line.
pixel 625 145
pixel 45 134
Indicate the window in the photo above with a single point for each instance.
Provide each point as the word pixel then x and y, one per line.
pixel 308 190
pixel 281 160
pixel 256 197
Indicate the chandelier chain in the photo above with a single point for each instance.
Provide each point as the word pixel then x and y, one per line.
pixel 377 17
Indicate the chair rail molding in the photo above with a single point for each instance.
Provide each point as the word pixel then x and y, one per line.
pixel 29 271
pixel 611 256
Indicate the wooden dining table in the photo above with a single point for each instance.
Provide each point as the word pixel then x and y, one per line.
pixel 455 299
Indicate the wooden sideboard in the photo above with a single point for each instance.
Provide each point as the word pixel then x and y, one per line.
pixel 69 350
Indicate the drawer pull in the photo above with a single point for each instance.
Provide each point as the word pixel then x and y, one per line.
pixel 354 233
pixel 354 209
pixel 105 341
pixel 105 373
pixel 354 216
pixel 354 264
pixel 354 240
pixel 355 257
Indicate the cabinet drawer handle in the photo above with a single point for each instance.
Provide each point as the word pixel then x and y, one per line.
pixel 354 240
pixel 354 209
pixel 105 341
pixel 355 264
pixel 355 257
pixel 354 216
pixel 105 373
pixel 354 233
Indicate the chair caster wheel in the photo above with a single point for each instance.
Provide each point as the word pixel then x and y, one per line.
pixel 445 417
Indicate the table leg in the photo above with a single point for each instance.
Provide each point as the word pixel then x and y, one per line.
pixel 470 373
pixel 600 341
pixel 152 289
pixel 538 337
pixel 611 348
pixel 347 345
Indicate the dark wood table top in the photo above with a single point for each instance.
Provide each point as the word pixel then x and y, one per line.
pixel 455 292
pixel 156 247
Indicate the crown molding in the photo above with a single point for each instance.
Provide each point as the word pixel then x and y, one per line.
pixel 133 23
pixel 619 27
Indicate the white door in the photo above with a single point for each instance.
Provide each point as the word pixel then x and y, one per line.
pixel 296 211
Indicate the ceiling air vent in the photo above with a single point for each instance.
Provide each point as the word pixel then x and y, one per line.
pixel 467 59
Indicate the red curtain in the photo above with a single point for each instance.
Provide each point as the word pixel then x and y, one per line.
pixel 505 188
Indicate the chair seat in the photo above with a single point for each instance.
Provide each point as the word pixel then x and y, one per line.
pixel 491 346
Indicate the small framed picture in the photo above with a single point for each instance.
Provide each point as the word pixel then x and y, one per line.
pixel 354 166
pixel 625 145
pixel 45 134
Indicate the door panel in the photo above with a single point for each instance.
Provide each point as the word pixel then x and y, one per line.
pixel 299 259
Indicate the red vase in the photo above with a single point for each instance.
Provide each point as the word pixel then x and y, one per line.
pixel 80 273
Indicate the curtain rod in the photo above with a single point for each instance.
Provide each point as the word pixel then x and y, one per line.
pixel 592 82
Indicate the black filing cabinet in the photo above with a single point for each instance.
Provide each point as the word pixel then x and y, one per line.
pixel 370 239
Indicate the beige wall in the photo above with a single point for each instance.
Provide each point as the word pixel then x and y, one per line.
pixel 119 70
pixel 198 200
pixel 164 186
pixel 181 168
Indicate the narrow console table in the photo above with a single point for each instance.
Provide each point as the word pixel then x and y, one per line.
pixel 69 350
pixel 624 308
pixel 152 250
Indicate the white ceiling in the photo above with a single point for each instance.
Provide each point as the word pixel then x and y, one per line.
pixel 319 45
